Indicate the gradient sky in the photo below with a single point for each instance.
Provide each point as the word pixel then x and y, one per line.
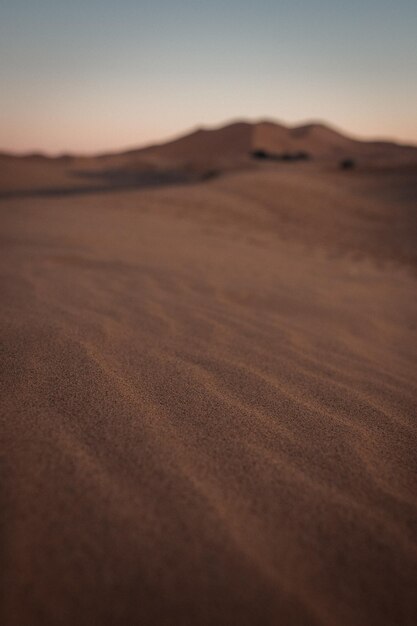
pixel 91 75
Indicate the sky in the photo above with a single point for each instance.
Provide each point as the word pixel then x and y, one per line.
pixel 92 75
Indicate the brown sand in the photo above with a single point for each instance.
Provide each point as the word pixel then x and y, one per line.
pixel 195 156
pixel 209 402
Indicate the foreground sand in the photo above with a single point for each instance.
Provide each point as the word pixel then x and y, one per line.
pixel 209 402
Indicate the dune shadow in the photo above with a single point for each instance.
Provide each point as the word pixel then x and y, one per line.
pixel 112 180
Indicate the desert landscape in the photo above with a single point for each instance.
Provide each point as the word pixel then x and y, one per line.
pixel 209 383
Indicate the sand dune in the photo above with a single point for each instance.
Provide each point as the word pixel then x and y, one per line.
pixel 209 400
pixel 195 156
pixel 237 140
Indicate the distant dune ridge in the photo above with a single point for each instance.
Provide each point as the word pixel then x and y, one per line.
pixel 241 138
pixel 209 390
pixel 200 154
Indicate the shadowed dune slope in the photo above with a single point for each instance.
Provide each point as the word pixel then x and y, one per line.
pixel 208 403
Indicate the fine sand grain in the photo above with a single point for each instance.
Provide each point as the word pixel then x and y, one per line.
pixel 209 403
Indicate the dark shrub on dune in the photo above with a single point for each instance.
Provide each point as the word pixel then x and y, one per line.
pixel 209 174
pixel 302 156
pixel 285 156
pixel 347 164
pixel 261 154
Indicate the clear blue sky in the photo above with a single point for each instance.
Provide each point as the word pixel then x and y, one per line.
pixel 89 75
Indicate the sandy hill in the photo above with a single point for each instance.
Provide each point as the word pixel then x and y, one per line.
pixel 192 157
pixel 233 141
pixel 237 141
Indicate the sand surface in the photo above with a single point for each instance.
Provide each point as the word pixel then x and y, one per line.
pixel 209 403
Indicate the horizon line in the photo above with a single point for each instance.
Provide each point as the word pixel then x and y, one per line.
pixel 36 152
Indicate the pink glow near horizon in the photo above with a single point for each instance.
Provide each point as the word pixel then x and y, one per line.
pixel 104 75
